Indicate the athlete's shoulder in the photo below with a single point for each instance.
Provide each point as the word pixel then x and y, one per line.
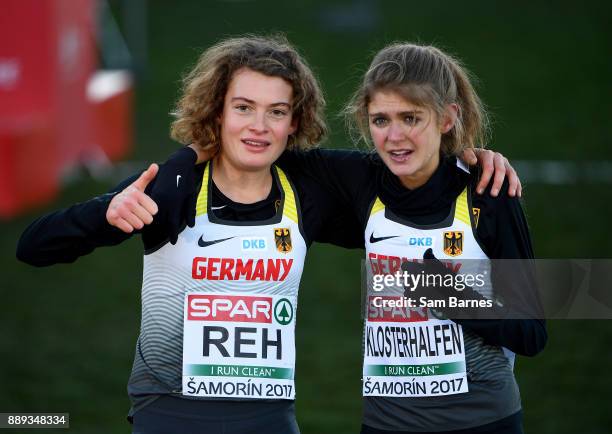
pixel 501 225
pixel 485 199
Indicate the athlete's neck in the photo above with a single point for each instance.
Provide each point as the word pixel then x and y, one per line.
pixel 240 185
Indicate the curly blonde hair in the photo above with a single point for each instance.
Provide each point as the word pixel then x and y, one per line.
pixel 205 86
pixel 427 77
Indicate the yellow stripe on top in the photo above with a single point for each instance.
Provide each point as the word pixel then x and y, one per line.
pixel 378 206
pixel 462 209
pixel 202 203
pixel 289 207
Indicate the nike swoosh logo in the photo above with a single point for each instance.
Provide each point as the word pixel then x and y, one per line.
pixel 374 239
pixel 178 178
pixel 203 243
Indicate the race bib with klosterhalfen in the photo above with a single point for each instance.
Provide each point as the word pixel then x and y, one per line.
pixel 407 353
pixel 239 346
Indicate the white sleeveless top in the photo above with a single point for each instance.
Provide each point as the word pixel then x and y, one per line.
pixel 411 352
pixel 219 307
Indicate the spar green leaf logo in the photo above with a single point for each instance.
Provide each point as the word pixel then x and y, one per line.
pixel 283 311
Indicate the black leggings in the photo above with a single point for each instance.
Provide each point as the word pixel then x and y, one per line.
pixel 274 418
pixel 512 424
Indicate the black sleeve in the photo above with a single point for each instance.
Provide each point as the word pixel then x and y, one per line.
pixel 324 218
pixel 64 235
pixel 503 232
pixel 347 175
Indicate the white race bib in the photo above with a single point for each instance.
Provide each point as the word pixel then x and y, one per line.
pixel 239 346
pixel 407 353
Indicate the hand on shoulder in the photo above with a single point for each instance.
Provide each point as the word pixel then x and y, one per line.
pixel 493 165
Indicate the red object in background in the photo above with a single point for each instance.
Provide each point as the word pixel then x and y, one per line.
pixel 47 123
pixel 28 163
pixel 110 94
pixel 76 61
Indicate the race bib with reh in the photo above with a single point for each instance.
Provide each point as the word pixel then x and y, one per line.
pixel 239 346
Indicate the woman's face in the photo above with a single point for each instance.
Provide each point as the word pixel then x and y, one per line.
pixel 256 121
pixel 406 136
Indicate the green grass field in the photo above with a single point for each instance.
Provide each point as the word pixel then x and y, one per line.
pixel 67 333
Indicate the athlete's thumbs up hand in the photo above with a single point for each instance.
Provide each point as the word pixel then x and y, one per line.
pixel 132 208
pixel 146 177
